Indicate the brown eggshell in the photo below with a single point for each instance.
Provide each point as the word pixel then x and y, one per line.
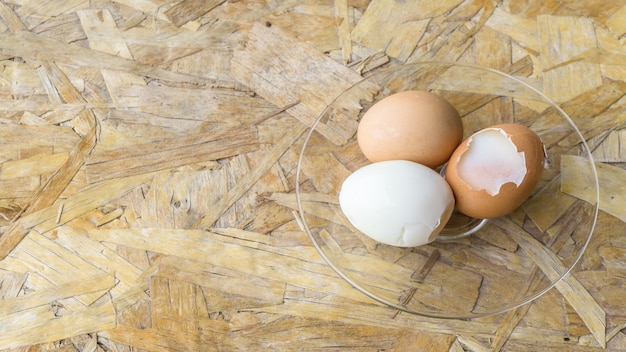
pixel 413 125
pixel 479 203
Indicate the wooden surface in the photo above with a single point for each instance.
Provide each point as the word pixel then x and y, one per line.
pixel 147 169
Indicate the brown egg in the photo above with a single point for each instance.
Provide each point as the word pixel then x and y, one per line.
pixel 494 171
pixel 413 125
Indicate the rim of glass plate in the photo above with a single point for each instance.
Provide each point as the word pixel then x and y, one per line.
pixel 303 224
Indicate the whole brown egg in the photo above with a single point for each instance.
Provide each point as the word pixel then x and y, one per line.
pixel 414 125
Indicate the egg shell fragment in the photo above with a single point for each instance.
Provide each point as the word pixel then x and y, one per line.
pixel 495 170
pixel 397 202
pixel 412 125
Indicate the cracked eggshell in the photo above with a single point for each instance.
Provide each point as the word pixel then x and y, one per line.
pixel 495 170
pixel 397 202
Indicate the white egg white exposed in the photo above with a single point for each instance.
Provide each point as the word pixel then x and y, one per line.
pixel 491 160
pixel 397 202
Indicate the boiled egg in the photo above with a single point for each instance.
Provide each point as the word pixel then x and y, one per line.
pixel 413 125
pixel 397 202
pixel 495 170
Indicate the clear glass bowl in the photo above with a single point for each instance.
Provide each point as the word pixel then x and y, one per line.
pixel 476 267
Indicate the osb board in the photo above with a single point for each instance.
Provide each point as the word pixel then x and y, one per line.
pixel 147 169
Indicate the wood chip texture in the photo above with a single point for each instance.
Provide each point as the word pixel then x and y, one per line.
pixel 148 154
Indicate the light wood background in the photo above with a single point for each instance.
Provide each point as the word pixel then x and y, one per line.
pixel 147 167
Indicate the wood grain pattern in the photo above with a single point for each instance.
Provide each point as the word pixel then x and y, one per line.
pixel 148 154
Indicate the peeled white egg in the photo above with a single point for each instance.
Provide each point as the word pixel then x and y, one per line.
pixel 397 202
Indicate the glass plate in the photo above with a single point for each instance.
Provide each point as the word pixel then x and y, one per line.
pixel 475 267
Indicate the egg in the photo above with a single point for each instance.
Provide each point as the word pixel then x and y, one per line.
pixel 418 126
pixel 495 170
pixel 397 202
